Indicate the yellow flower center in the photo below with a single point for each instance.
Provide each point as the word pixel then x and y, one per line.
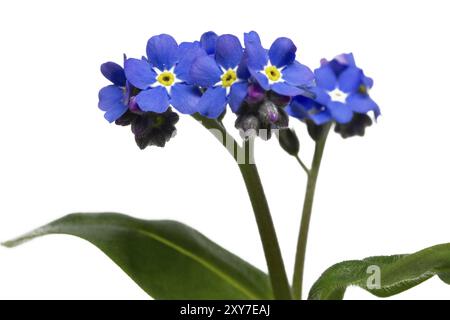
pixel 272 73
pixel 228 78
pixel 362 89
pixel 166 78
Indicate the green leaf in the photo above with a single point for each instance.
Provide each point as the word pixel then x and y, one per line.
pixel 396 273
pixel 167 259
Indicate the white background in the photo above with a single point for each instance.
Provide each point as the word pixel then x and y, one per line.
pixel 386 193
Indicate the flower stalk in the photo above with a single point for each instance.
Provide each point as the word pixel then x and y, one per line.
pixel 269 240
pixel 312 175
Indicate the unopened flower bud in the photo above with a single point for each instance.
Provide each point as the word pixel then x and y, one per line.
pixel 248 125
pixel 289 141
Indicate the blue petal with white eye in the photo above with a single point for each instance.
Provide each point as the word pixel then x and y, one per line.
pixel 298 74
pixel 228 51
pixel 205 72
pixel 208 42
pixel 213 102
pixel 114 73
pixel 282 52
pixel 185 98
pixel 139 73
pixel 162 51
pixel 154 100
pixel 238 92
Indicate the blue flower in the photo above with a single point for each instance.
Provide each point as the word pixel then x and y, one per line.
pixel 113 99
pixel 341 90
pixel 164 76
pixel 276 69
pixel 221 76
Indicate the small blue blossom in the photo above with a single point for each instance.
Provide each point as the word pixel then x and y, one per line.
pixel 221 76
pixel 164 76
pixel 341 90
pixel 113 99
pixel 276 69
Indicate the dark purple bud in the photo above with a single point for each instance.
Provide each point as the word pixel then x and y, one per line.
pixel 278 99
pixel 283 119
pixel 356 127
pixel 289 141
pixel 126 119
pixel 255 93
pixel 248 125
pixel 154 129
pixel 268 112
pixel 133 106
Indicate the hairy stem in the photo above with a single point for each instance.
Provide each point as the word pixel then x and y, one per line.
pixel 249 171
pixel 306 214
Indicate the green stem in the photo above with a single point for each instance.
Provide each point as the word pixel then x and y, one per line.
pixel 249 171
pixel 300 162
pixel 306 214
pixel 277 272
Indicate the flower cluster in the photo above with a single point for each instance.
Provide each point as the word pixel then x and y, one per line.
pixel 263 87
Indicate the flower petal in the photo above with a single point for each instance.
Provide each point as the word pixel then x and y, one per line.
pixel 182 70
pixel 155 100
pixel 320 96
pixel 340 112
pixel 257 55
pixel 325 78
pixel 261 79
pixel 111 100
pixel 346 59
pixel 304 108
pixel 286 89
pixel 362 104
pixel 114 73
pixel 350 79
pixel 282 52
pixel 162 51
pixel 109 95
pixel 205 72
pixel 367 81
pixel 237 95
pixel 212 103
pixel 298 74
pixel 139 73
pixel 242 70
pixel 208 42
pixel 228 51
pixel 115 112
pixel 184 98
pixel 321 117
pixel 184 47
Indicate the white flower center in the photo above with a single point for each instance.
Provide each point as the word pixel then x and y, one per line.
pixel 338 95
